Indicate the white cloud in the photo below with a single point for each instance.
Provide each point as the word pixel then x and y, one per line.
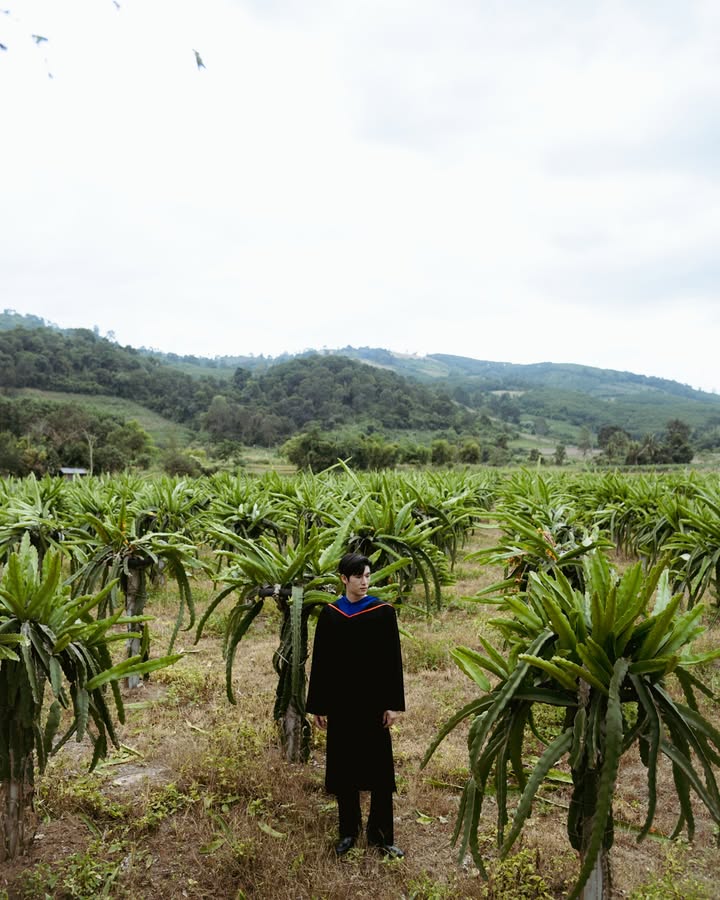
pixel 512 181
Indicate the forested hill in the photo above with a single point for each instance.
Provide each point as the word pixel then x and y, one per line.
pixel 265 399
pixel 604 383
pixel 79 361
pixel 579 396
pixel 264 408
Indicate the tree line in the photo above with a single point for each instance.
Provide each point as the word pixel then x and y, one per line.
pixel 254 409
pixel 317 406
pixel 317 450
pixel 41 436
pixel 670 447
pixel 80 361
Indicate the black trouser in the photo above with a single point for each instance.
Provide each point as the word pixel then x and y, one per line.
pixel 380 819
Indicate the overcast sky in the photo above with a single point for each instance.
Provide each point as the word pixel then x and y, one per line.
pixel 517 180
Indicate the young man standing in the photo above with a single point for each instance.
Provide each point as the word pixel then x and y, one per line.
pixel 356 692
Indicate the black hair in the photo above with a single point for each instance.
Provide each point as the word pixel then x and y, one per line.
pixel 353 564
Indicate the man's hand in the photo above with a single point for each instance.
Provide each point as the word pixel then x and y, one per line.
pixel 320 722
pixel 390 717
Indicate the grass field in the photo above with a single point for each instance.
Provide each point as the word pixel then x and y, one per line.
pixel 199 803
pixel 163 432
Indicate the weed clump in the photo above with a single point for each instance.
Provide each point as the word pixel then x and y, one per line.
pixel 425 652
pixel 81 795
pixel 84 875
pixel 673 883
pixel 186 685
pixel 517 877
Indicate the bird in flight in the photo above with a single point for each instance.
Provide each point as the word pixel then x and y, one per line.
pixel 198 60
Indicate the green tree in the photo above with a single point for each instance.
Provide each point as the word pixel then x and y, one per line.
pixel 48 640
pixel 416 454
pixel 677 442
pixel 441 452
pixel 372 453
pixel 220 419
pixel 11 461
pixel 35 508
pixel 616 448
pixel 470 452
pixel 649 451
pixel 296 579
pixel 388 533
pixel 240 378
pixel 312 450
pixel 121 547
pixel 585 440
pixel 605 656
pixel 134 442
pixel 694 542
pixel 540 531
pixel 606 433
pixel 177 462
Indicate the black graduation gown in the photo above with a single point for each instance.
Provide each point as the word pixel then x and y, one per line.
pixel 356 674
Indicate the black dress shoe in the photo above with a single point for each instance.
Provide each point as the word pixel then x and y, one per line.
pixel 344 844
pixel 390 850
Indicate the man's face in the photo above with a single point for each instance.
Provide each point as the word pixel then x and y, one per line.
pixel 356 586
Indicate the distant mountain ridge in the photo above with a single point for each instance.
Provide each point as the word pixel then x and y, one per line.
pixel 595 381
pixel 567 376
pixel 568 393
pixel 563 397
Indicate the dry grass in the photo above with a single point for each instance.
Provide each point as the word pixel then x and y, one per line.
pixel 200 804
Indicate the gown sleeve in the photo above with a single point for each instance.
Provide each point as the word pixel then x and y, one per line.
pixel 395 699
pixel 318 698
